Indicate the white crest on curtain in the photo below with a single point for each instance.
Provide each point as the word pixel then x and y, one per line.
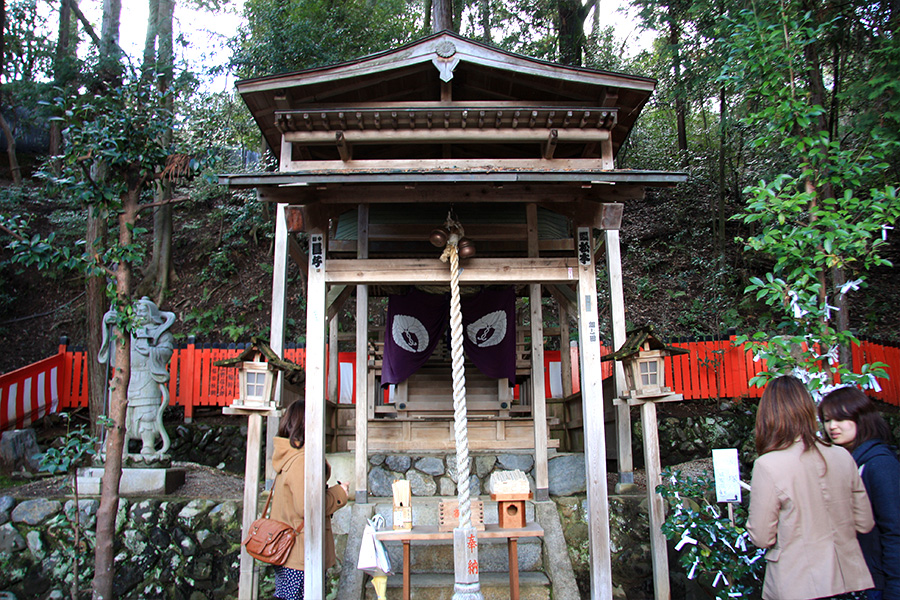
pixel 489 330
pixel 409 333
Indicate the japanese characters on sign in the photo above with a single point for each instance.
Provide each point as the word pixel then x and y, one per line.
pixel 584 246
pixel 727 474
pixel 317 251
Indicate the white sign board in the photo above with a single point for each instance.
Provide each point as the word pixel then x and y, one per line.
pixel 728 474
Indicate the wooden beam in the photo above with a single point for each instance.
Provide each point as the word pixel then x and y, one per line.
pixel 314 513
pixel 594 425
pixel 538 392
pixel 298 256
pixel 565 351
pixel 456 135
pixel 549 145
pixel 617 307
pixel 344 149
pixel 248 580
pixel 564 297
pixel 450 164
pixel 278 320
pixel 475 271
pixel 361 453
pixel 657 508
pixel 337 297
pixel 333 362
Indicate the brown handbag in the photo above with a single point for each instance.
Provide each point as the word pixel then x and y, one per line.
pixel 268 540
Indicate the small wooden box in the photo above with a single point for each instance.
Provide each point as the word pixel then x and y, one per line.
pixel 402 517
pixel 511 510
pixel 448 518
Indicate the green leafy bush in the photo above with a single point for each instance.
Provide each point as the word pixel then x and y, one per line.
pixel 713 549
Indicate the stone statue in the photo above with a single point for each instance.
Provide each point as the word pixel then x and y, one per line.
pixel 151 348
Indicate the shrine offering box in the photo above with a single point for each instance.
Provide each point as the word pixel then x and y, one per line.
pixel 448 517
pixel 402 506
pixel 511 510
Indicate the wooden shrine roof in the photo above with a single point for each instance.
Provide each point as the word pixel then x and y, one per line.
pixel 449 100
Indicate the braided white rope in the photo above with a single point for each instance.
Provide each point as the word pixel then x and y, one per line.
pixel 460 420
pixel 465 588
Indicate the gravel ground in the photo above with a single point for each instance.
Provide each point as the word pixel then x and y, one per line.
pixel 200 482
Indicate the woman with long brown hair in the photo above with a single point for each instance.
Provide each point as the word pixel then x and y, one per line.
pixel 807 502
pixel 289 500
pixel 852 421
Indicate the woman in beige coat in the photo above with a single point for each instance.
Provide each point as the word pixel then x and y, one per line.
pixel 288 501
pixel 807 502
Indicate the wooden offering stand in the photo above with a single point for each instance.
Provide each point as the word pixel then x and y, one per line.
pixel 511 509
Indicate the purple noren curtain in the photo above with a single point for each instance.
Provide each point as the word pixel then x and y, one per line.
pixel 489 332
pixel 416 322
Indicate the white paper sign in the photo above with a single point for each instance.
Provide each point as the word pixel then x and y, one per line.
pixel 728 475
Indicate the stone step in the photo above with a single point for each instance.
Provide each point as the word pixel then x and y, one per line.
pixel 494 586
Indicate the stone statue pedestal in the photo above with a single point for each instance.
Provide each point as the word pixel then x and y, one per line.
pixel 134 482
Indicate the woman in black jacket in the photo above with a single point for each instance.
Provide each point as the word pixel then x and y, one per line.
pixel 852 421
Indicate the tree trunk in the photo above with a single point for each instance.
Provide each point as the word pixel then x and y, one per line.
pixel 110 52
pixel 486 21
pixel 61 69
pixel 571 15
pixel 148 66
pixel 723 131
pixel 14 168
pixel 104 553
pixel 162 215
pixel 95 307
pixel 443 15
pixel 680 103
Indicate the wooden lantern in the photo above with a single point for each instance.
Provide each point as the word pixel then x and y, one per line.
pixel 257 385
pixel 643 358
pixel 258 367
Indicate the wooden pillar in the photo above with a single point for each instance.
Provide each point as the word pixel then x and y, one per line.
pixel 658 550
pixel 362 364
pixel 538 389
pixel 617 305
pixel 565 356
pixel 248 580
pixel 279 318
pixel 333 364
pixel 594 434
pixel 314 514
pixel 538 396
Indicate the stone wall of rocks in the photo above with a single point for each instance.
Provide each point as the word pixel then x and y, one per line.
pixel 179 550
pixel 190 549
pixel 213 445
pixel 435 475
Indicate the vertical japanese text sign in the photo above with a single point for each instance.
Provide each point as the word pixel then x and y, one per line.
pixel 726 470
pixel 317 251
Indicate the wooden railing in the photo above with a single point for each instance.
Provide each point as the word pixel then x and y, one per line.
pixel 711 369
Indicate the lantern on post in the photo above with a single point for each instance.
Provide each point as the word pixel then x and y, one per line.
pixel 643 358
pixel 258 367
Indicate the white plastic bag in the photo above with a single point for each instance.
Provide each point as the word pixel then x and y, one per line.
pixel 372 554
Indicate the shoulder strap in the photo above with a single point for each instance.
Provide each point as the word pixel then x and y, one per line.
pixel 265 512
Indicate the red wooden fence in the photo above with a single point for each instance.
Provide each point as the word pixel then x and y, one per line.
pixel 711 369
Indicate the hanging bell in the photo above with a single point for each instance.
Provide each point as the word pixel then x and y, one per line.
pixel 438 237
pixel 466 248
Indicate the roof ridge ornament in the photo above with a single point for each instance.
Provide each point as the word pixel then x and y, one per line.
pixel 446 59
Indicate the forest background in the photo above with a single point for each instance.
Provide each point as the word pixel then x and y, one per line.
pixel 785 114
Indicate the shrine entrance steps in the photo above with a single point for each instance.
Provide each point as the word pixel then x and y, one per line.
pixel 544 568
